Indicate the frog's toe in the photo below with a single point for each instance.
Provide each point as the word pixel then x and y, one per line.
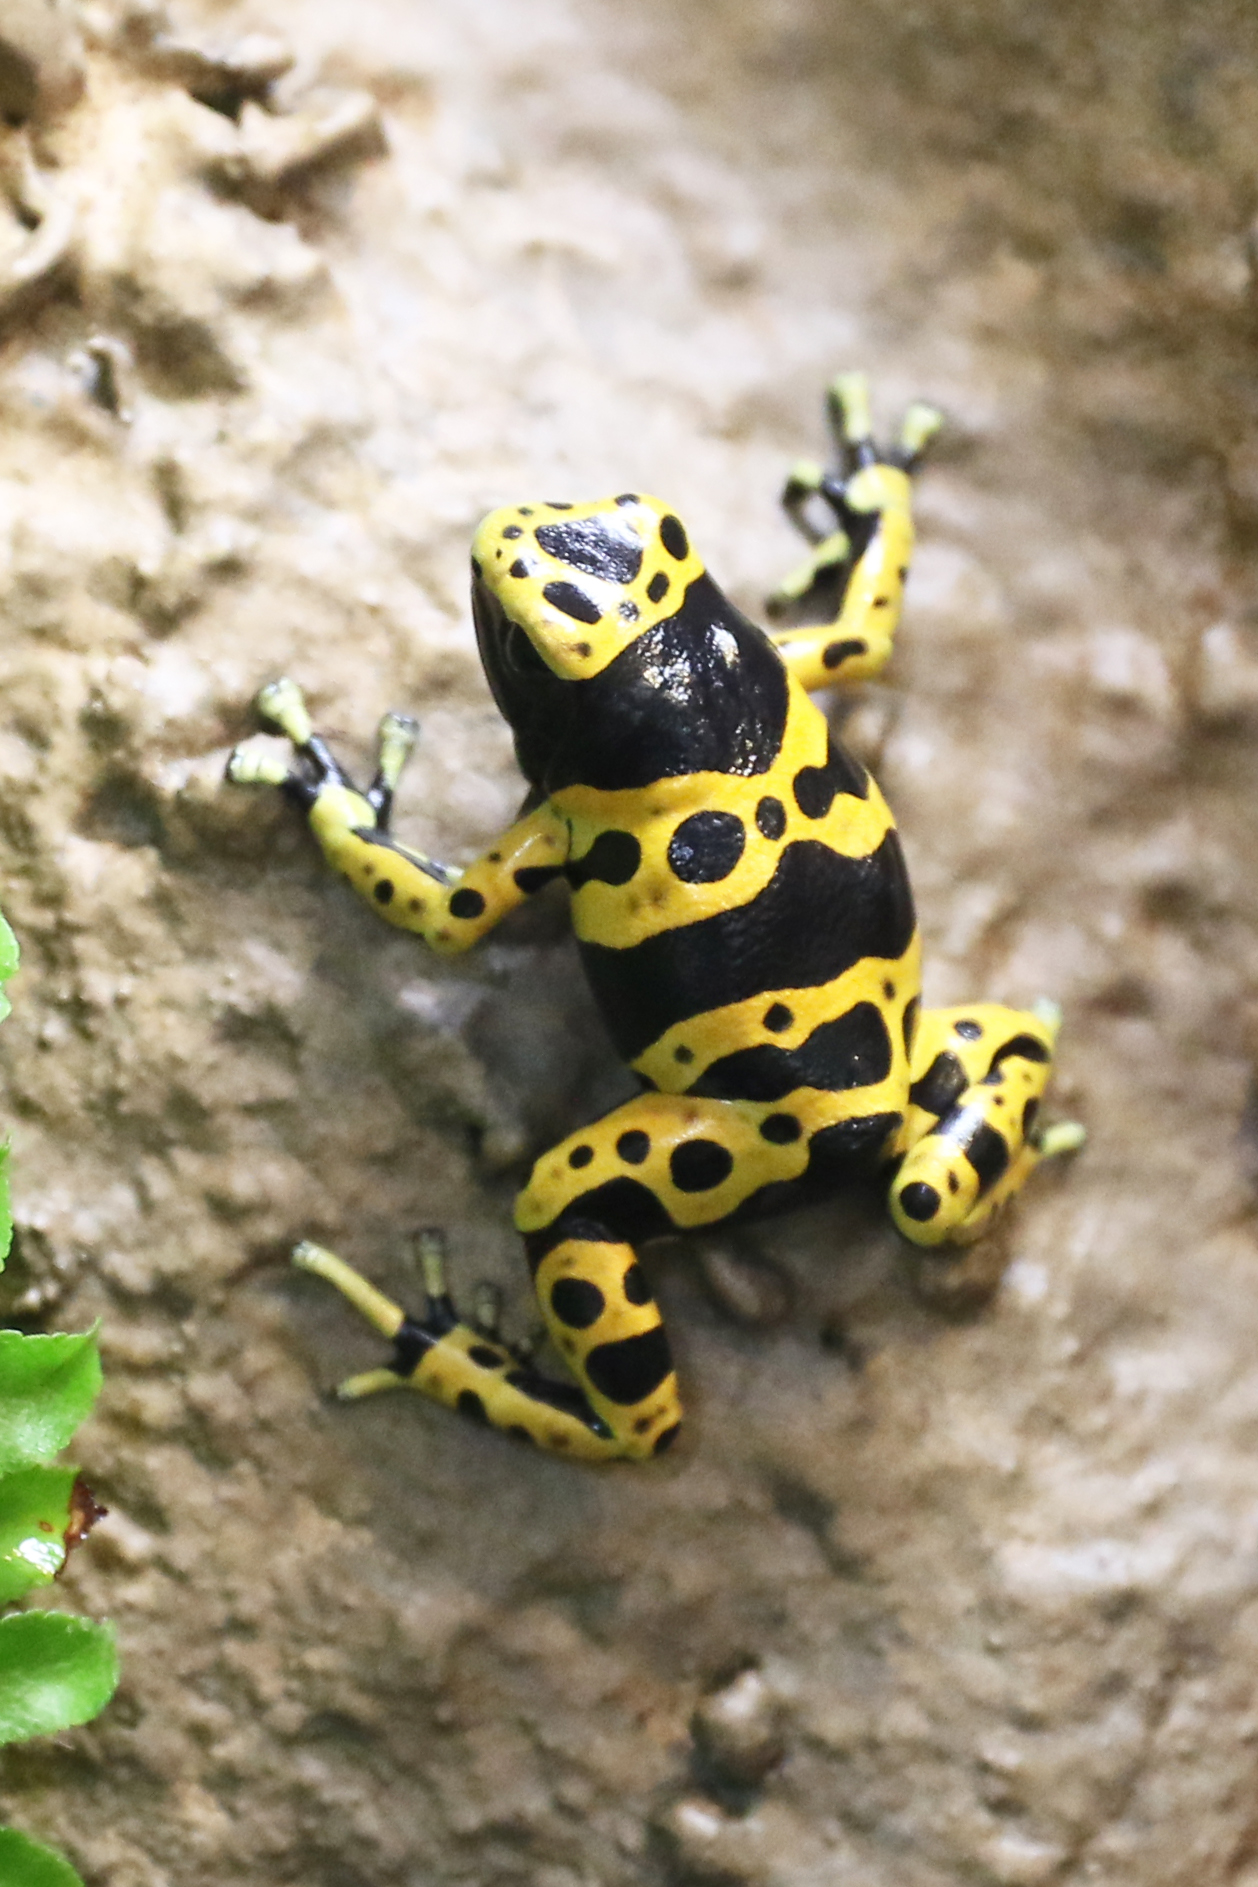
pixel 369 1382
pixel 255 766
pixel 848 396
pixel 1066 1137
pixel 805 478
pixel 395 745
pixel 283 704
pixel 921 423
pixel 1048 1012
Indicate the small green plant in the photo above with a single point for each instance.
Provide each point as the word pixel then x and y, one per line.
pixel 55 1669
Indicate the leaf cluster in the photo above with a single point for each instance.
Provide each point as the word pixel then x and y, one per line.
pixel 55 1669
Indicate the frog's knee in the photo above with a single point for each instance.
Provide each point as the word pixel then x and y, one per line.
pixel 933 1194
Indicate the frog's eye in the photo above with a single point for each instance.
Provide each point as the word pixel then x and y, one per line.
pixel 519 654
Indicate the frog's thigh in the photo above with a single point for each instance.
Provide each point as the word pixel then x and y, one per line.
pixel 978 1072
pixel 662 1162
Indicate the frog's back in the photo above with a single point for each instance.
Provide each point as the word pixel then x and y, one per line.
pixel 740 897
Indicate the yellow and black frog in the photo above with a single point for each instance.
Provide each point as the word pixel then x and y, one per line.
pixel 744 917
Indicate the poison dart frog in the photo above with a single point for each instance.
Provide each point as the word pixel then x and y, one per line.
pixel 744 918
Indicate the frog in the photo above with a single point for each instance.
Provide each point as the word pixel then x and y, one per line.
pixel 743 914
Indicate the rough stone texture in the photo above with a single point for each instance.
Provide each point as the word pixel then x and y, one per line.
pixel 994 1561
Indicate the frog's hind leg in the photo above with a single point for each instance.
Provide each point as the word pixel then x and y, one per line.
pixel 659 1163
pixel 978 1075
pixel 867 553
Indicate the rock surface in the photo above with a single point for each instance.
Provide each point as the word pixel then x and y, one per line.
pixel 961 1590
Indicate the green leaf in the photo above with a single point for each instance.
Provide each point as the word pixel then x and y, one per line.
pixel 34 1520
pixel 8 952
pixel 26 1863
pixel 55 1670
pixel 6 1216
pixel 8 963
pixel 47 1386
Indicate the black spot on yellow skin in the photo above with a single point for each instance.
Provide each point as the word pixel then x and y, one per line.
pixel 780 1129
pixel 674 539
pixel 836 652
pixel 706 847
pixel 920 1201
pixel 466 903
pixel 911 1011
pixel 470 1404
pixel 613 859
pixel 770 817
pixel 636 1288
pixel 699 1165
pixel 954 1184
pixel 888 990
pixel 816 787
pixel 383 893
pixel 580 1156
pixel 601 547
pixel 778 1017
pixel 573 602
pixel 968 1030
pixel 665 1439
pixel 1030 1115
pixel 988 1154
pixel 633 1146
pixel 683 1054
pixel 628 498
pixel 629 611
pixel 657 588
pixel 1027 1047
pixel 485 1358
pixel 577 1303
pixel 513 530
pixel 632 1369
pixel 942 1084
pixel 519 568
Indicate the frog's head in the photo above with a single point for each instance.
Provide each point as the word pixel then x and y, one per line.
pixel 569 587
pixel 609 649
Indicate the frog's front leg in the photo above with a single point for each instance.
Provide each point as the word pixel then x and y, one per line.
pixel 978 1074
pixel 447 907
pixel 868 552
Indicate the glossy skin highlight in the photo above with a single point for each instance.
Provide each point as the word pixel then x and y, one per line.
pixel 744 917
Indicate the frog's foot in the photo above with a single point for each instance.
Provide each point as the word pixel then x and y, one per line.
pixel 464 1363
pixel 847 402
pixel 978 1075
pixel 405 887
pixel 282 704
pixel 863 551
